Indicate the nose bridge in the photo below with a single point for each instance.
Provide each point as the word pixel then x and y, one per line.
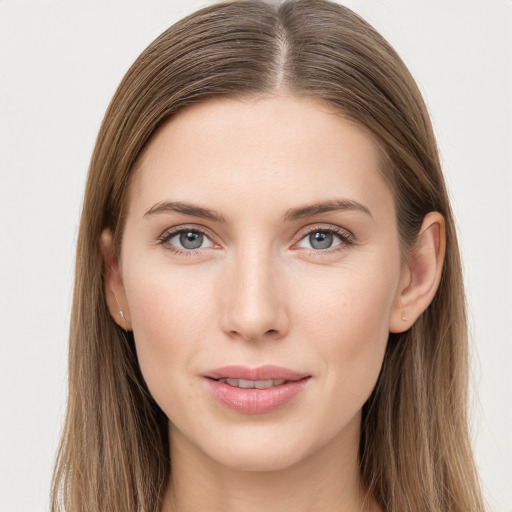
pixel 254 296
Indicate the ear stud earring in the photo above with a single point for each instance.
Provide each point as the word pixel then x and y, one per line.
pixel 404 315
pixel 120 312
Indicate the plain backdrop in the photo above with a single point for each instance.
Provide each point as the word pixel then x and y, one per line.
pixel 60 62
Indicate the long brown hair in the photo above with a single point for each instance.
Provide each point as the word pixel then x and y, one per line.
pixel 415 453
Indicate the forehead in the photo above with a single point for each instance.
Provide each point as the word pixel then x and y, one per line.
pixel 262 153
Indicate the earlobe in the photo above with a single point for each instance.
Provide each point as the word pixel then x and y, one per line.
pixel 424 272
pixel 114 289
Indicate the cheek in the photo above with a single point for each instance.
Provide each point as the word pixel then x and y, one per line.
pixel 166 296
pixel 168 312
pixel 348 317
pixel 350 306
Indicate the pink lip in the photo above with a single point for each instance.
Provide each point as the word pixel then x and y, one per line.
pixel 255 401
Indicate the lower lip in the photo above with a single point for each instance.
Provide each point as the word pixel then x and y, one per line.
pixel 255 401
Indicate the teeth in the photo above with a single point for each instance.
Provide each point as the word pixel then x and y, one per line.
pixel 246 384
pixel 250 384
pixel 262 384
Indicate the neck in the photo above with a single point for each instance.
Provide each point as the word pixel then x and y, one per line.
pixel 328 480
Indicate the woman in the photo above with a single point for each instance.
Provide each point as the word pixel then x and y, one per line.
pixel 268 310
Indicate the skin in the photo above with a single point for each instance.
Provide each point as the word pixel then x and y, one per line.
pixel 259 290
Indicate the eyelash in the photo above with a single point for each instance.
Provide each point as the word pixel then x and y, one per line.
pixel 346 239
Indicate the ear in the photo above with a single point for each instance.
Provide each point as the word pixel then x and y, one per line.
pixel 421 275
pixel 114 289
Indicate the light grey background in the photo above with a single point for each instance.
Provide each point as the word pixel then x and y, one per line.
pixel 60 62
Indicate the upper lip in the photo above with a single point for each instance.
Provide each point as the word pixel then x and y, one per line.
pixel 266 372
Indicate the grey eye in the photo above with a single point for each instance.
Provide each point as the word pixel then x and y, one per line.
pixel 191 239
pixel 186 239
pixel 321 240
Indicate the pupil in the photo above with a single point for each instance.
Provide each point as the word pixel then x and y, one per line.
pixel 320 240
pixel 191 240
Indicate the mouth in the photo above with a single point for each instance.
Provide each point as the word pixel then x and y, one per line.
pixel 255 390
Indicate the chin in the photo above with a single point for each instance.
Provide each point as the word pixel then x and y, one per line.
pixel 260 460
pixel 255 453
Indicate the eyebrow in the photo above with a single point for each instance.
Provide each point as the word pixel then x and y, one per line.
pixel 324 207
pixel 186 209
pixel 292 214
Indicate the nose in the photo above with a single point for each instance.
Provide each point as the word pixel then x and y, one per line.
pixel 253 298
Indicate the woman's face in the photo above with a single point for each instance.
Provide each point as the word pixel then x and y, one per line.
pixel 261 245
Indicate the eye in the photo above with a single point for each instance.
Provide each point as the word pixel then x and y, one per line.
pixel 323 239
pixel 186 240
